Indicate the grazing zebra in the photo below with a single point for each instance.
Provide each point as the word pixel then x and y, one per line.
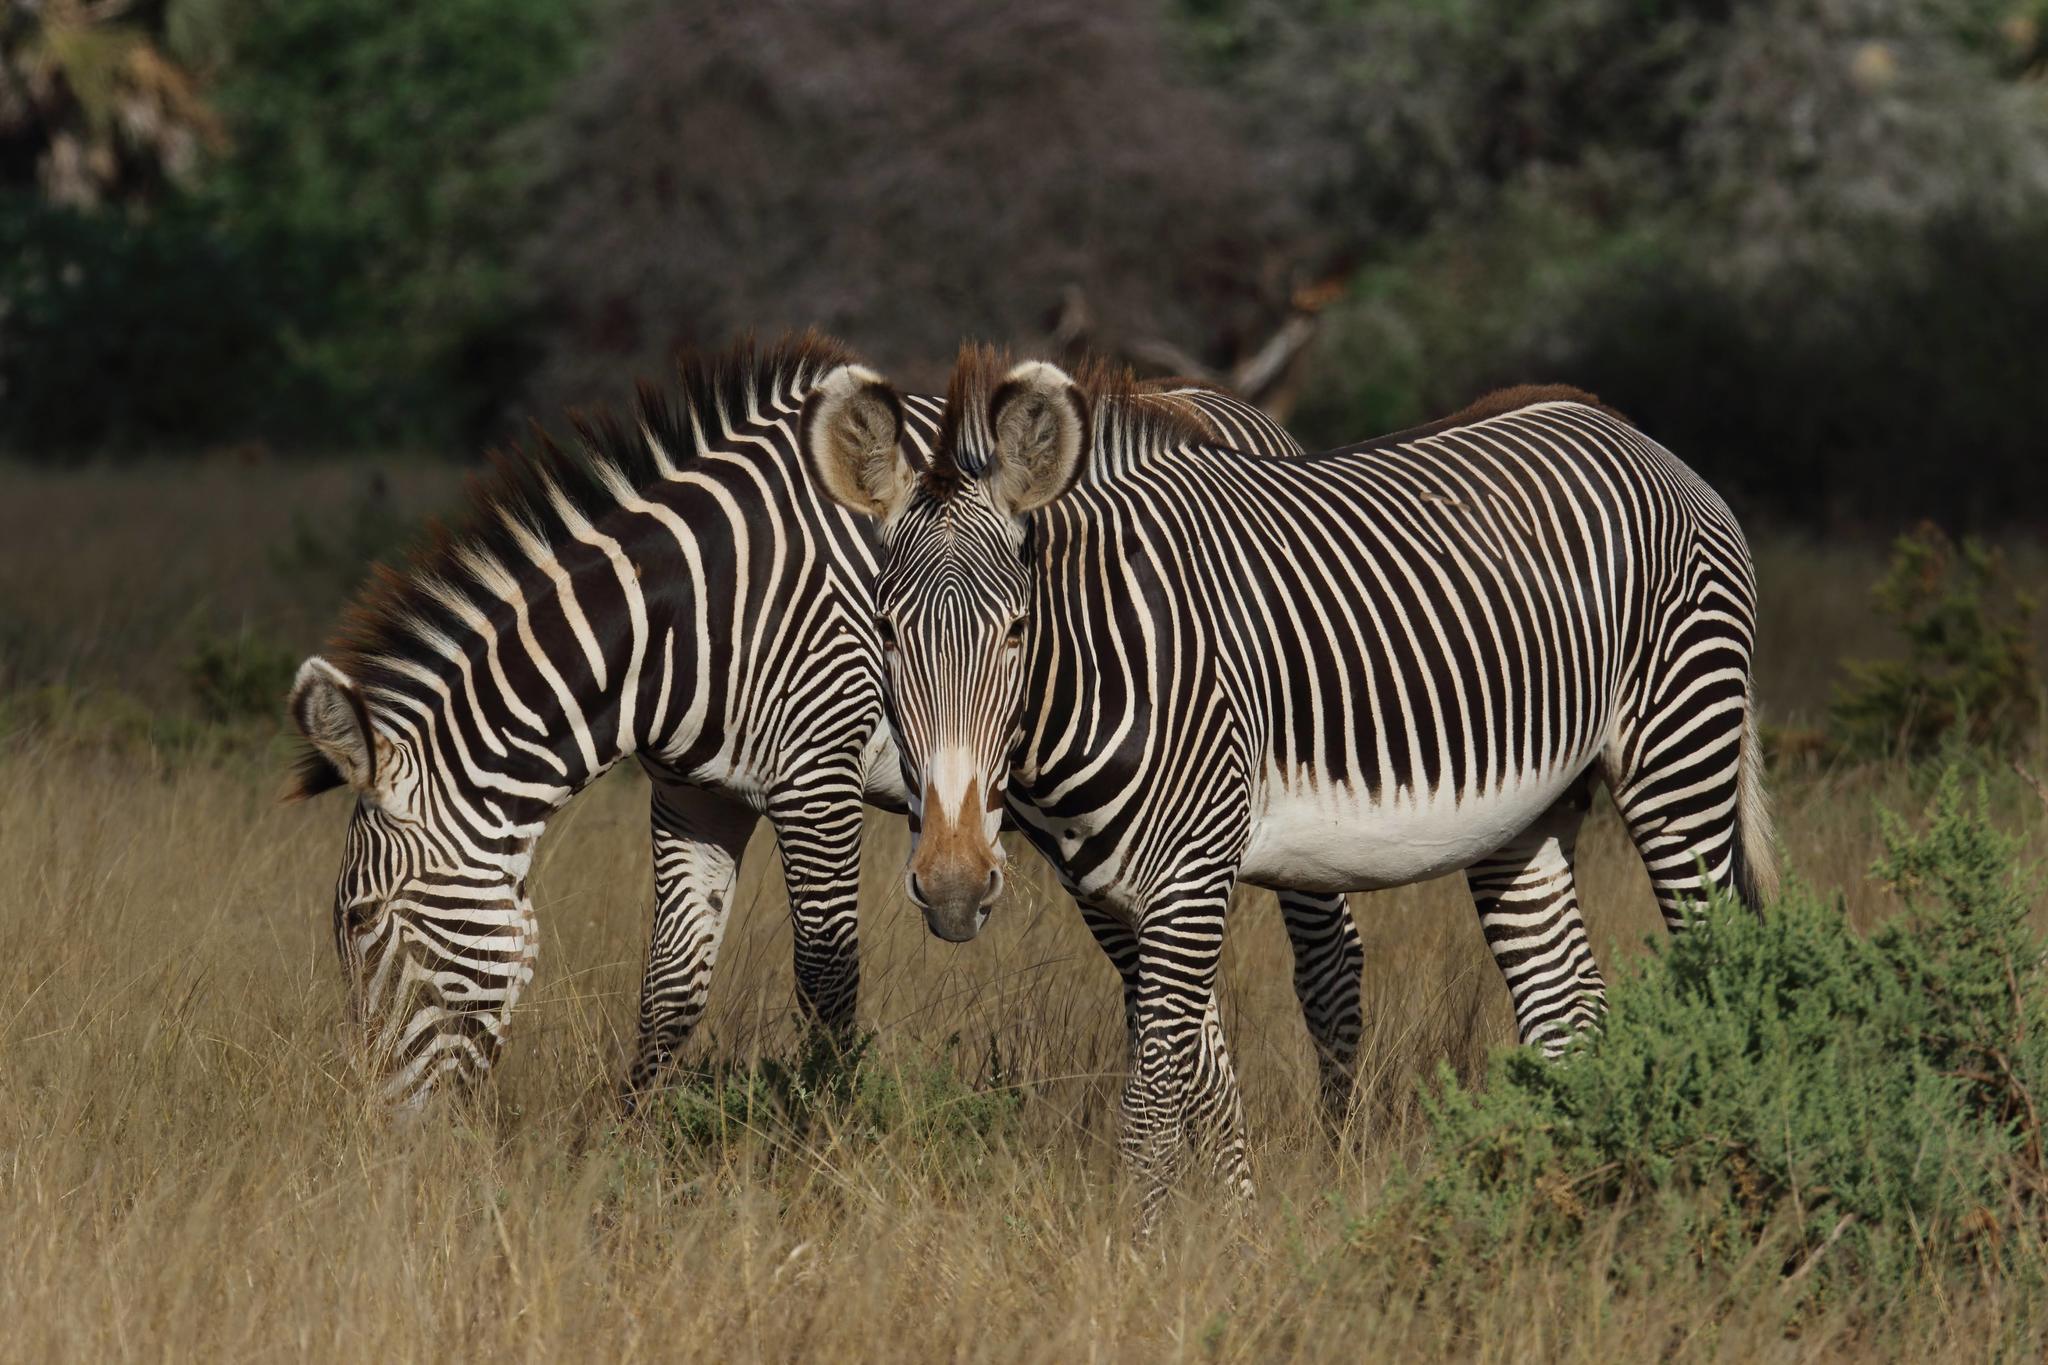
pixel 1327 672
pixel 676 591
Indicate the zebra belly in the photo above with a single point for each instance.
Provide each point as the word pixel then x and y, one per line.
pixel 1325 838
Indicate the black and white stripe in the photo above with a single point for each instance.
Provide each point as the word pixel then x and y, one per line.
pixel 1326 673
pixel 675 590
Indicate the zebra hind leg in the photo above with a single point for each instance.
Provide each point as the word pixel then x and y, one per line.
pixel 1329 962
pixel 1694 803
pixel 698 840
pixel 1529 911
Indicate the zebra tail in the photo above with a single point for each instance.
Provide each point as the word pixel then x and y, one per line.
pixel 1756 851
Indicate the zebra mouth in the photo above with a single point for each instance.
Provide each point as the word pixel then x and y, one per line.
pixel 955 928
pixel 952 915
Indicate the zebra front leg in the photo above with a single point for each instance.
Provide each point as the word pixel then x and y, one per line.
pixel 1182 1083
pixel 820 841
pixel 1529 910
pixel 1329 963
pixel 1216 1110
pixel 1120 945
pixel 698 840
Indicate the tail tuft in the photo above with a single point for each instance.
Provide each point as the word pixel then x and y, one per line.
pixel 1755 864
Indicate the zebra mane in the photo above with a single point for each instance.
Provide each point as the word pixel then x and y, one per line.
pixel 530 503
pixel 1498 403
pixel 1129 416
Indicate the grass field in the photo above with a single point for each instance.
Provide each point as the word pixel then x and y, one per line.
pixel 188 1169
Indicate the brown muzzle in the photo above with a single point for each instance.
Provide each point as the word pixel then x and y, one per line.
pixel 954 875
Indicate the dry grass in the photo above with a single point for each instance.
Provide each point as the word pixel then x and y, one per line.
pixel 187 1169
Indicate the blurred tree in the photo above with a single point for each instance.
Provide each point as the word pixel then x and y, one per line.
pixel 1780 122
pixel 1745 224
pixel 92 107
pixel 343 274
pixel 378 178
pixel 904 174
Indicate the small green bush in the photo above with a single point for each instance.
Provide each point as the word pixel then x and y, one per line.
pixel 843 1090
pixel 331 555
pixel 240 675
pixel 1968 667
pixel 1864 1106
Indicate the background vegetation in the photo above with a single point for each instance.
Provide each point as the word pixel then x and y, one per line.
pixel 1798 239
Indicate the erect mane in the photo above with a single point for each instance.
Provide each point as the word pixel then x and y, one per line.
pixel 535 496
pixel 1127 414
pixel 1143 415
pixel 1498 403
pixel 1503 401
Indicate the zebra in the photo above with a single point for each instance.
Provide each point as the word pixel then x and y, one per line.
pixel 1334 672
pixel 673 590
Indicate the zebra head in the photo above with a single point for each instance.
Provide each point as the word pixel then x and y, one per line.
pixel 431 917
pixel 954 595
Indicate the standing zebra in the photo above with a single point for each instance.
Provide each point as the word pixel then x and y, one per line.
pixel 679 592
pixel 1328 672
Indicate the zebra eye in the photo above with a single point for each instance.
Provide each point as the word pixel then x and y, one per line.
pixel 886 631
pixel 1016 632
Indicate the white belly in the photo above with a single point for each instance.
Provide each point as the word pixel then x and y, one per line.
pixel 1326 838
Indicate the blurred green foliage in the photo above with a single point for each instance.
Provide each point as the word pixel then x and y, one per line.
pixel 237 676
pixel 340 277
pixel 378 175
pixel 1865 1107
pixel 1968 671
pixel 1797 240
pixel 130 331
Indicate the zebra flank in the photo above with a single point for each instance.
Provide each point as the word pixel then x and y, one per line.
pixel 673 588
pixel 1179 669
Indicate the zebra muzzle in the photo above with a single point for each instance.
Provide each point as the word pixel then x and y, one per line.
pixel 955 872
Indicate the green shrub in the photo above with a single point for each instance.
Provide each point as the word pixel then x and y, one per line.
pixel 1859 1106
pixel 331 554
pixel 844 1091
pixel 1968 668
pixel 237 676
pixel 342 273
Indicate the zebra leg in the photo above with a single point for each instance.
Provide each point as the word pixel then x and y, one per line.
pixel 1683 799
pixel 1221 1143
pixel 1329 963
pixel 1216 1109
pixel 819 836
pixel 698 840
pixel 1120 945
pixel 1182 1082
pixel 1529 910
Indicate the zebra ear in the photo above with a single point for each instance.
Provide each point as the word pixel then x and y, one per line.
pixel 1040 420
pixel 852 437
pixel 328 710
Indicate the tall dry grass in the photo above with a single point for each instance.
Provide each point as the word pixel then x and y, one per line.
pixel 188 1168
